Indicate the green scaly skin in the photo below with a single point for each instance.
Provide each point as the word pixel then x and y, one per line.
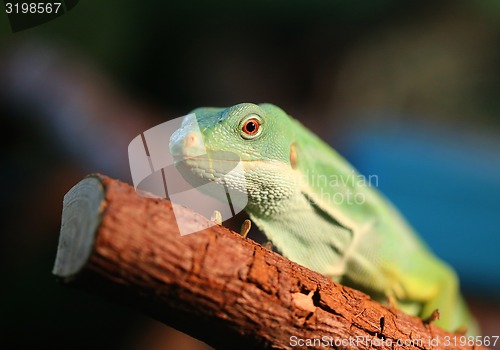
pixel 306 198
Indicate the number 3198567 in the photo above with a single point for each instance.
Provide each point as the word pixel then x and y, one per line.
pixel 33 7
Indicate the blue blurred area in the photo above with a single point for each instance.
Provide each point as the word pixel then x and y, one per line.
pixel 447 184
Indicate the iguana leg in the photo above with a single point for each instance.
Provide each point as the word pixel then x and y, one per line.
pixel 216 217
pixel 453 312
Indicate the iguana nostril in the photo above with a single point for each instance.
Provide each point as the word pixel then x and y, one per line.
pixel 191 140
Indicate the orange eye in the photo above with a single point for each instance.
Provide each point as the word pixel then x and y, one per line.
pixel 251 126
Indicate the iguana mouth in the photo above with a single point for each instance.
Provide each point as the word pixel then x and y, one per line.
pixel 211 156
pixel 186 158
pixel 210 167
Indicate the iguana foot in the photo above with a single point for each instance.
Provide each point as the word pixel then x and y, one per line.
pixel 245 228
pixel 433 317
pixel 462 330
pixel 268 245
pixel 216 217
pixel 391 300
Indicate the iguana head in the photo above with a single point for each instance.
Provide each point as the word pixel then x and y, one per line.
pixel 211 141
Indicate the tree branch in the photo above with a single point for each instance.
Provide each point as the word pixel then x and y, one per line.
pixel 215 285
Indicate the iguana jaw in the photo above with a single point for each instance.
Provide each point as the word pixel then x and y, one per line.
pixel 264 182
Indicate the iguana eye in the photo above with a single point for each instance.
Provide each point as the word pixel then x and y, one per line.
pixel 250 126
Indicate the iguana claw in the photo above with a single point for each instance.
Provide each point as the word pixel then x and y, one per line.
pixel 433 317
pixel 245 228
pixel 268 245
pixel 216 217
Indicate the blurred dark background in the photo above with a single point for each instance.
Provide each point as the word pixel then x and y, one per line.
pixel 406 90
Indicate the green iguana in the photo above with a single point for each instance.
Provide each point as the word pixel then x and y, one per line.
pixel 343 229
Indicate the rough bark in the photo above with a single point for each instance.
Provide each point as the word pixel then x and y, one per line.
pixel 215 285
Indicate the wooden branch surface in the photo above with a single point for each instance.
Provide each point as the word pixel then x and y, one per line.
pixel 215 285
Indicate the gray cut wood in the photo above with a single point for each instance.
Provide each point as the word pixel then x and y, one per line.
pixel 225 290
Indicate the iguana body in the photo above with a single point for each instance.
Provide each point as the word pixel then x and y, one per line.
pixel 311 204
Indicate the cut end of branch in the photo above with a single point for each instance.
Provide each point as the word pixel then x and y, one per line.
pixel 80 221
